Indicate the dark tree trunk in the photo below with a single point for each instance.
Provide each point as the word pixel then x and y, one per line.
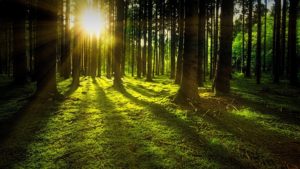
pixel 283 39
pixel 201 41
pixel 66 54
pixel 265 36
pixel 243 36
pixel 149 64
pixel 19 43
pixel 224 67
pixel 144 56
pixel 94 56
pixel 162 36
pixel 292 42
pixel 46 48
pixel 118 43
pixel 276 66
pixel 249 52
pixel 173 37
pixel 76 58
pixel 258 46
pixel 139 55
pixel 181 38
pixel 188 91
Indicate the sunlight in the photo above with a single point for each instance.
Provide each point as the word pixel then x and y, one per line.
pixel 93 22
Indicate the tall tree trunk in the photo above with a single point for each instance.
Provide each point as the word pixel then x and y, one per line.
pixel 181 38
pixel 243 36
pixel 46 48
pixel 19 43
pixel 118 43
pixel 188 91
pixel 258 46
pixel 144 56
pixel 139 55
pixel 162 36
pixel 283 39
pixel 292 42
pixel 265 36
pixel 226 35
pixel 201 41
pixel 149 64
pixel 173 37
pixel 276 66
pixel 249 52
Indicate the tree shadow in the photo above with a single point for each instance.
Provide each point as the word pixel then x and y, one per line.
pixel 21 129
pixel 214 152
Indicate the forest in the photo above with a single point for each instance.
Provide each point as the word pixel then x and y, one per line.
pixel 150 84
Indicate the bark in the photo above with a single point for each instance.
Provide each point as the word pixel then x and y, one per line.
pixel 19 43
pixel 149 64
pixel 118 43
pixel 46 48
pixel 188 91
pixel 292 39
pixel 249 51
pixel 258 46
pixel 226 35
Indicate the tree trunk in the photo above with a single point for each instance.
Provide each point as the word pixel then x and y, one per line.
pixel 226 35
pixel 19 43
pixel 149 64
pixel 46 48
pixel 188 91
pixel 258 46
pixel 173 37
pixel 181 38
pixel 276 66
pixel 265 36
pixel 201 41
pixel 283 39
pixel 292 42
pixel 118 43
pixel 249 52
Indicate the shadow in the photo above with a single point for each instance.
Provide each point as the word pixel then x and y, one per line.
pixel 22 128
pixel 142 90
pixel 214 152
pixel 121 141
pixel 284 115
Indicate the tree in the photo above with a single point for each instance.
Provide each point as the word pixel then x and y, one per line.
pixel 188 91
pixel 173 36
pixel 46 48
pixel 149 64
pixel 181 38
pixel 258 44
pixel 201 41
pixel 18 8
pixel 276 48
pixel 292 39
pixel 249 51
pixel 283 39
pixel 118 42
pixel 226 35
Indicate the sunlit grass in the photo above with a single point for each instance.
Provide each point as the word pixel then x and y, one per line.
pixel 98 126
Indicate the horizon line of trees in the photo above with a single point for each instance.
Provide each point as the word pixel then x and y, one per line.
pixel 189 40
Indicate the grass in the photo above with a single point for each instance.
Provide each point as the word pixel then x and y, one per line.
pixel 98 126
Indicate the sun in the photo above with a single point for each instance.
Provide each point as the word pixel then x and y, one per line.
pixel 92 22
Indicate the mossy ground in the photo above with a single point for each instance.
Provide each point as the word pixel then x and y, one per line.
pixel 138 126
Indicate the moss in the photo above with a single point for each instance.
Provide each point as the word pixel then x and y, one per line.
pixel 97 126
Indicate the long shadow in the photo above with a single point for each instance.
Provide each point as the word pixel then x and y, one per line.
pixel 285 116
pixel 123 141
pixel 21 130
pixel 214 152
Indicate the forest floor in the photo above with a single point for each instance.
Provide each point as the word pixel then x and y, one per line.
pixel 97 126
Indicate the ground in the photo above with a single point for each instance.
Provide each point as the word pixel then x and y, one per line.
pixel 97 126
